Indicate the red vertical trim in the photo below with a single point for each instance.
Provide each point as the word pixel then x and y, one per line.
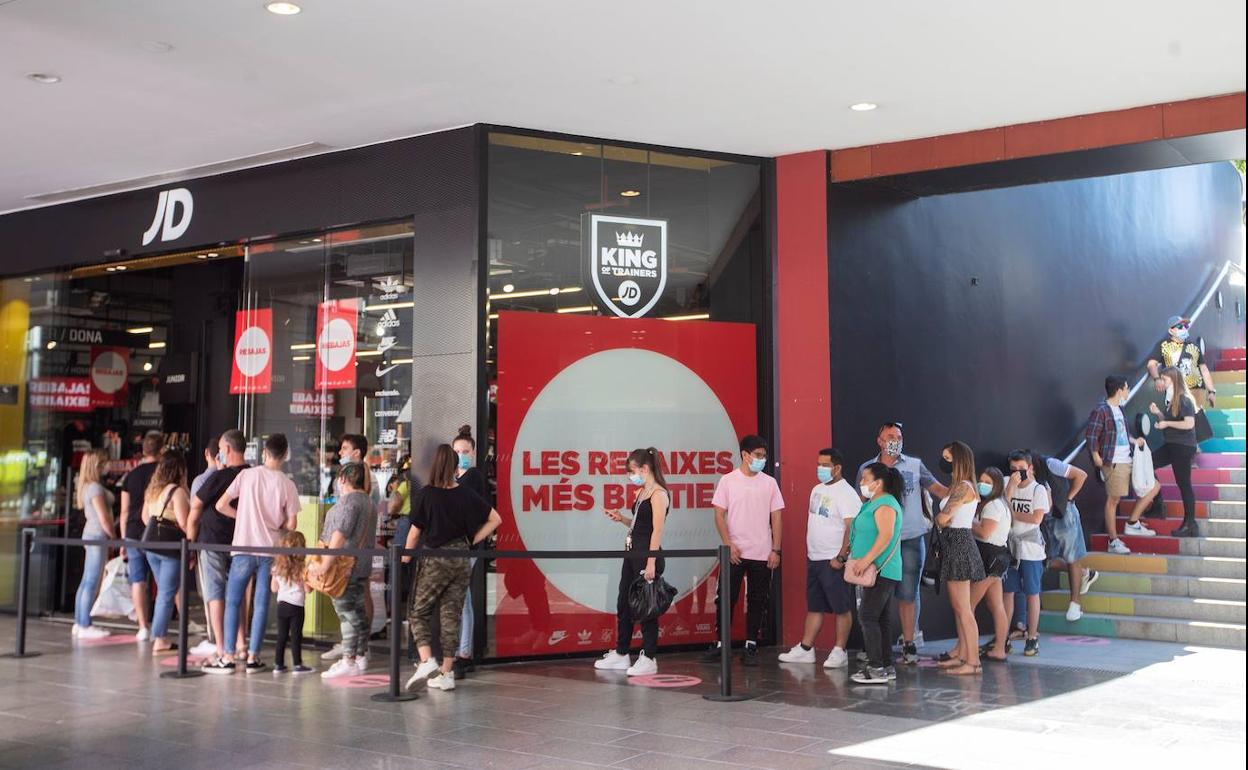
pixel 803 366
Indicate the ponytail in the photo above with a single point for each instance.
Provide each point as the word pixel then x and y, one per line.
pixel 650 458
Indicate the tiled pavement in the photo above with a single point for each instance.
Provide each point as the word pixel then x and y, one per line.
pixel 1082 703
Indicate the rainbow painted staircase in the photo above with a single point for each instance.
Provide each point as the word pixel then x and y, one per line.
pixel 1186 590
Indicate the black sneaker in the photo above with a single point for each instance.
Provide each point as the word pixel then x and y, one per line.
pixel 219 666
pixel 712 653
pixel 279 669
pixel 871 676
pixel 910 653
pixel 460 668
pixel 301 670
pixel 254 667
pixel 750 655
pixel 1032 649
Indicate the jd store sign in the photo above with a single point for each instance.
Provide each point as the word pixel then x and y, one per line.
pixel 626 259
pixel 174 209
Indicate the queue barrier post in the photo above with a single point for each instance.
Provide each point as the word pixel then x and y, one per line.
pixel 23 588
pixel 395 694
pixel 184 616
pixel 724 607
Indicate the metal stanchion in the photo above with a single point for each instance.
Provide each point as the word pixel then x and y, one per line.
pixel 184 616
pixel 395 694
pixel 725 694
pixel 23 588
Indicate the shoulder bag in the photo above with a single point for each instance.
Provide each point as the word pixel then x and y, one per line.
pixel 162 530
pixel 872 572
pixel 333 581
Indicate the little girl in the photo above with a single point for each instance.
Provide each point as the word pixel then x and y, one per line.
pixel 288 584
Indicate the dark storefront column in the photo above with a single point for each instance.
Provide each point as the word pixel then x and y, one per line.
pixel 803 397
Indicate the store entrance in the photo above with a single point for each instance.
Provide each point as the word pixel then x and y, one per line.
pixel 111 353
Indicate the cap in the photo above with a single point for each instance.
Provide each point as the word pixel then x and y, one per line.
pixel 1175 320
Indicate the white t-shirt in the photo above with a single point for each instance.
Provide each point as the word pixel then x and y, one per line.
pixel 1122 441
pixel 1026 540
pixel 831 506
pixel 999 512
pixel 290 592
pixel 964 514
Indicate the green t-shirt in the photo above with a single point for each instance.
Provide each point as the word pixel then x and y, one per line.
pixel 865 531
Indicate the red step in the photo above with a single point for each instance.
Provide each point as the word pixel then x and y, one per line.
pixel 1219 460
pixel 1173 508
pixel 1199 475
pixel 1157 545
pixel 1160 526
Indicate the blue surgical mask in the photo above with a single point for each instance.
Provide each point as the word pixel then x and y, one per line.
pixel 1180 334
pixel 465 461
pixel 824 474
pixel 757 465
pixel 636 479
pixel 221 457
pixel 985 489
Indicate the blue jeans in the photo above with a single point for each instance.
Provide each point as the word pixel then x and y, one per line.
pixel 466 621
pixel 168 571
pixel 242 568
pixel 92 574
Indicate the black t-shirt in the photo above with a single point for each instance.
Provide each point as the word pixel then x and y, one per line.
pixel 474 479
pixel 213 527
pixel 1187 408
pixel 135 483
pixel 448 515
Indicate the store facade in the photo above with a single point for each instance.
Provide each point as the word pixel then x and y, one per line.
pixel 570 299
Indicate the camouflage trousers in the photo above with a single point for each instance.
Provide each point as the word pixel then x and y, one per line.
pixel 441 585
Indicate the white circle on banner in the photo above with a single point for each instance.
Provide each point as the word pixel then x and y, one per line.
pixel 617 400
pixel 108 372
pixel 629 293
pixel 252 352
pixel 336 345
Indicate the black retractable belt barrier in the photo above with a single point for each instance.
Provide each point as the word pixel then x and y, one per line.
pixel 394 694
pixel 725 694
pixel 184 616
pixel 23 588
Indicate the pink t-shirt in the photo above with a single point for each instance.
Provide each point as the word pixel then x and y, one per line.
pixel 266 498
pixel 749 501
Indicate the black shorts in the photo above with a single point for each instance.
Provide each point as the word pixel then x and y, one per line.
pixel 826 589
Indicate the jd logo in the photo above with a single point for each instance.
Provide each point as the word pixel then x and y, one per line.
pixel 166 212
pixel 627 261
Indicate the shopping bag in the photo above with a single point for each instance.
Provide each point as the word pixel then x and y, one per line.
pixel 1142 476
pixel 114 600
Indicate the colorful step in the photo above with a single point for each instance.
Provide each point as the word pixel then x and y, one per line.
pixel 1218 445
pixel 1166 585
pixel 1151 564
pixel 1228 376
pixel 1180 607
pixel 1140 627
pixel 1227 510
pixel 1208 527
pixel 1206 475
pixel 1232 459
pixel 1225 492
pixel 1178 546
pixel 1154 545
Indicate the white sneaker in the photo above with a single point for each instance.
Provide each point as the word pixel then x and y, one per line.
pixel 1138 529
pixel 204 649
pixel 440 681
pixel 838 658
pixel 422 671
pixel 1117 546
pixel 1073 612
pixel 612 661
pixel 361 663
pixel 144 635
pixel 73 632
pixel 643 667
pixel 92 632
pixel 797 655
pixel 335 653
pixel 1090 576
pixel 344 667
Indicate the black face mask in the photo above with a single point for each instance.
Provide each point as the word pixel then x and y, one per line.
pixel 946 466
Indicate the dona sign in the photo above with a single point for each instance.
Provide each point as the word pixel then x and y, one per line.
pixel 569 417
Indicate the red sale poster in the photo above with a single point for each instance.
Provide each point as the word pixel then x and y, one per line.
pixel 570 409
pixel 110 372
pixel 335 344
pixel 252 371
pixel 60 394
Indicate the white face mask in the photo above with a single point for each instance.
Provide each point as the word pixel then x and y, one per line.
pixel 865 489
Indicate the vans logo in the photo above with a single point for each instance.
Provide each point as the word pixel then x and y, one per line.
pixel 168 221
pixel 626 259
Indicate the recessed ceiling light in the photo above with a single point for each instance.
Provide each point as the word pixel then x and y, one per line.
pixel 863 106
pixel 147 366
pixel 141 330
pixel 51 344
pixel 624 80
pixel 631 193
pixel 509 288
pixel 156 46
pixel 554 291
pixel 45 78
pixel 578 153
pixel 111 269
pixel 283 9
pixel 213 255
pixel 156 345
pixel 201 256
pixel 121 267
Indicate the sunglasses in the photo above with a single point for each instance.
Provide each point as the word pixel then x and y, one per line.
pixel 1181 326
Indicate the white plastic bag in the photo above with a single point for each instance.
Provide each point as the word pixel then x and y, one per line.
pixel 380 608
pixel 1142 476
pixel 114 600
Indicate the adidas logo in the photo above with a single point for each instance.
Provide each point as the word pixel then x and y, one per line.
pixel 584 636
pixel 389 286
pixel 389 320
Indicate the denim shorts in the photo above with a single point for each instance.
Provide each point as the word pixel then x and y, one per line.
pixel 1023 579
pixel 913 554
pixel 136 562
pixel 214 574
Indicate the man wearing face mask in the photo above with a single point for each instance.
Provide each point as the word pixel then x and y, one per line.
pixel 748 511
pixel 914 528
pixel 1179 350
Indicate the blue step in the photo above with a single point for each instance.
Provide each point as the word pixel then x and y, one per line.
pixel 1222 445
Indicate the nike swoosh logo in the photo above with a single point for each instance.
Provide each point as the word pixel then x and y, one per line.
pixel 383 371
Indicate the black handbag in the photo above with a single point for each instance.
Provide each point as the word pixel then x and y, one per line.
pixel 1203 429
pixel 935 556
pixel 162 530
pixel 648 599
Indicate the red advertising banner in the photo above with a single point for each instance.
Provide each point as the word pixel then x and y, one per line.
pixel 110 371
pixel 252 371
pixel 335 344
pixel 570 411
pixel 60 394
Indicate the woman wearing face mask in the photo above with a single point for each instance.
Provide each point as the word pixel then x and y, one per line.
pixel 960 563
pixel 874 539
pixel 467 474
pixel 1178 423
pixel 645 533
pixel 992 531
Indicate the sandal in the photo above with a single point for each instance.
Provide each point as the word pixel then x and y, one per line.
pixel 1017 634
pixel 994 658
pixel 951 663
pixel 944 656
pixel 986 649
pixel 173 647
pixel 963 671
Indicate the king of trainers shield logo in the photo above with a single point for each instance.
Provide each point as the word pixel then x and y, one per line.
pixel 626 259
